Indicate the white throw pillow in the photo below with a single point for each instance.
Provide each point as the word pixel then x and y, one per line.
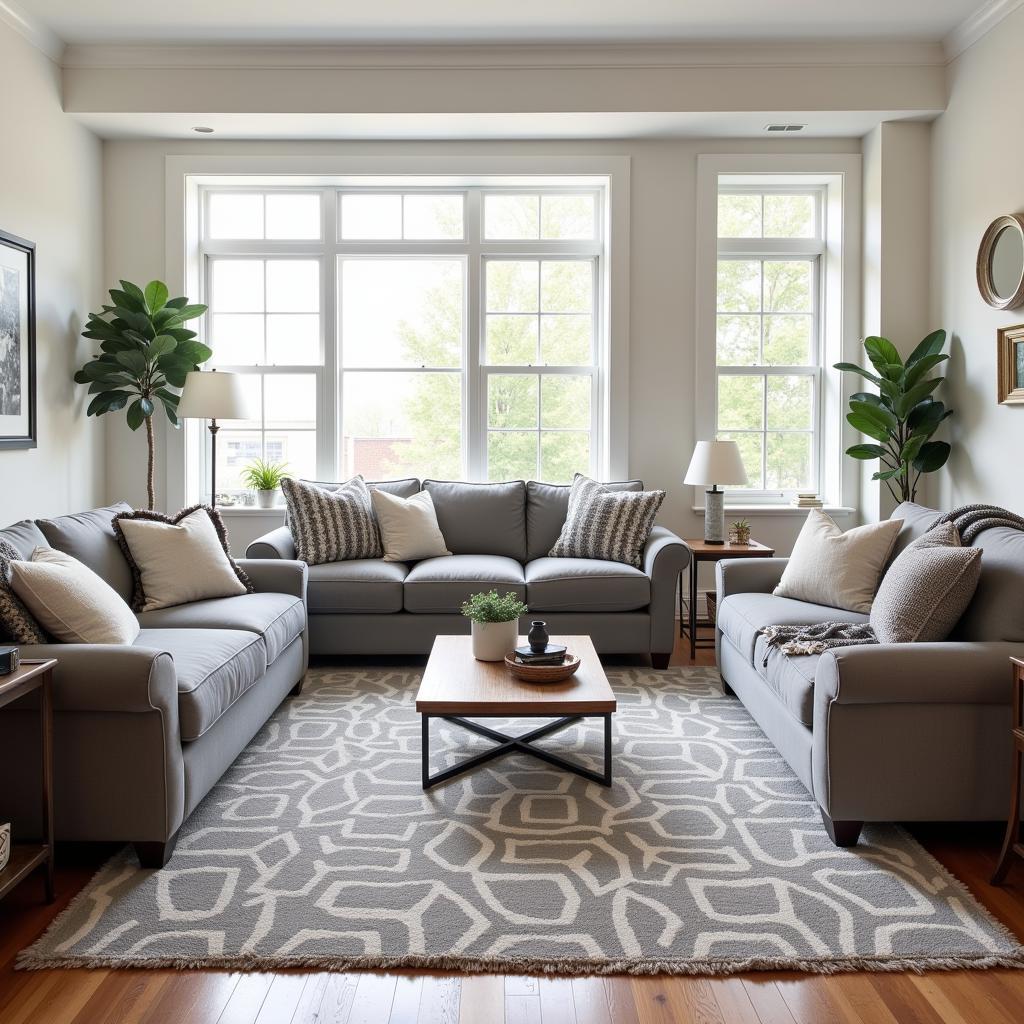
pixel 70 601
pixel 178 560
pixel 408 526
pixel 841 570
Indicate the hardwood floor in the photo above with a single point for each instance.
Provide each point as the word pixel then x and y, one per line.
pixel 297 997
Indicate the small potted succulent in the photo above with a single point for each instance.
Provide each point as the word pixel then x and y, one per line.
pixel 740 532
pixel 495 619
pixel 265 479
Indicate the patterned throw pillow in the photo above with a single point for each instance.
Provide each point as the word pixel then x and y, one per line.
pixel 331 526
pixel 926 589
pixel 613 525
pixel 17 623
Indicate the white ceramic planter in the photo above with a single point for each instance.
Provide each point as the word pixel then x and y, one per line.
pixel 493 640
pixel 266 499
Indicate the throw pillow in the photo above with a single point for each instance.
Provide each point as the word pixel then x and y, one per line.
pixel 838 569
pixel 178 559
pixel 601 523
pixel 74 604
pixel 927 588
pixel 17 623
pixel 408 526
pixel 331 526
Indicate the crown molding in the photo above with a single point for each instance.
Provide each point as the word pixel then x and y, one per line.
pixel 519 56
pixel 38 34
pixel 976 25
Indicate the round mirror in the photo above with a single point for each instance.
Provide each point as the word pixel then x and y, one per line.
pixel 1001 263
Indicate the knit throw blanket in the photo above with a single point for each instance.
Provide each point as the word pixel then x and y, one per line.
pixel 969 521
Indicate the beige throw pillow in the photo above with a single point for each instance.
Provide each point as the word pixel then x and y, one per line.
pixel 178 560
pixel 70 601
pixel 408 526
pixel 838 569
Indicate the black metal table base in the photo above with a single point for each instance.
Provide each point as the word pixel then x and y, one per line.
pixel 515 745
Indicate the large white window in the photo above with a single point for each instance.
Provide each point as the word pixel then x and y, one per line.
pixel 416 330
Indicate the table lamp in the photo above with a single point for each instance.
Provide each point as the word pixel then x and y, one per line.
pixel 714 463
pixel 209 395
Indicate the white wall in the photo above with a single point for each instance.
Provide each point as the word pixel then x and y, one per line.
pixel 50 193
pixel 662 274
pixel 977 160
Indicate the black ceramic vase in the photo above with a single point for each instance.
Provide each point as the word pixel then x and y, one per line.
pixel 538 636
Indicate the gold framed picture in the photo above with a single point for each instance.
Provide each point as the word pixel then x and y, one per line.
pixel 1011 364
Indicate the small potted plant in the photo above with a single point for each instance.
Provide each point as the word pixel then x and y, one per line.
pixel 740 532
pixel 265 479
pixel 495 619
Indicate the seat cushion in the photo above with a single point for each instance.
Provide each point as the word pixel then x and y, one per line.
pixel 214 668
pixel 547 506
pixel 481 519
pixel 585 584
pixel 278 618
pixel 791 679
pixel 363 585
pixel 740 616
pixel 442 584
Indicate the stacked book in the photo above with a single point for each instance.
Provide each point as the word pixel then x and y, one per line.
pixel 553 654
pixel 807 500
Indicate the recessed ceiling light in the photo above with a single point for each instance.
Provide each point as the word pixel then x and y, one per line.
pixel 203 131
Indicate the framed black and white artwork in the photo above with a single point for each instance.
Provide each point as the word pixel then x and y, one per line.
pixel 17 342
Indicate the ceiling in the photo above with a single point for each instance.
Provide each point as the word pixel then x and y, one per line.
pixel 524 21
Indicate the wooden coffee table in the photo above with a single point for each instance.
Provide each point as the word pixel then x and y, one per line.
pixel 455 685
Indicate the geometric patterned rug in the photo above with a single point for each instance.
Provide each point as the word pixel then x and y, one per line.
pixel 319 849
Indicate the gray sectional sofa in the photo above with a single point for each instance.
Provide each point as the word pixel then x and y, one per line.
pixel 499 535
pixel 143 732
pixel 887 732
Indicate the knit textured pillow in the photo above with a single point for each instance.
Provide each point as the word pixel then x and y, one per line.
pixel 613 525
pixel 926 589
pixel 17 623
pixel 331 526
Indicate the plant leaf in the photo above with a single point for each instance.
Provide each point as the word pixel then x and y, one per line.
pixel 876 413
pixel 932 456
pixel 146 404
pixel 926 416
pixel 911 447
pixel 867 451
pixel 854 368
pixel 161 345
pixel 866 426
pixel 191 312
pixel 904 405
pixel 133 361
pixel 871 399
pixel 930 346
pixel 156 295
pixel 193 352
pixel 915 371
pixel 125 300
pixel 135 292
pixel 135 414
pixel 888 474
pixel 883 355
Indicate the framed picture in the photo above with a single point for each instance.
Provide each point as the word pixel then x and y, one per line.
pixel 1011 365
pixel 17 342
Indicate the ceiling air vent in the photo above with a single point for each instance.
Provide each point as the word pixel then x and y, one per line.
pixel 784 127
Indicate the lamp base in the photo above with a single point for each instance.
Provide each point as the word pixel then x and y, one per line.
pixel 714 516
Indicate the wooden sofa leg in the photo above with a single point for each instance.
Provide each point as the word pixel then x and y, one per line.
pixel 155 855
pixel 660 661
pixel 842 833
pixel 297 688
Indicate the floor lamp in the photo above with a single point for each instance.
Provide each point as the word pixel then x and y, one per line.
pixel 213 396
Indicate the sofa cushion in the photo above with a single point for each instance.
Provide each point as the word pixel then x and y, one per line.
pixel 740 616
pixel 585 584
pixel 24 537
pixel 547 506
pixel 442 584
pixel 790 679
pixel 214 668
pixel 89 537
pixel 404 488
pixel 481 519
pixel 997 610
pixel 278 618
pixel 917 521
pixel 362 585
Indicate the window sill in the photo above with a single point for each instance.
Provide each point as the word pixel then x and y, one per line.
pixel 778 510
pixel 250 510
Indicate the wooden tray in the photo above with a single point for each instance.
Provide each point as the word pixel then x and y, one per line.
pixel 543 673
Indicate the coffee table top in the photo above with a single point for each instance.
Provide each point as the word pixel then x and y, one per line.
pixel 455 683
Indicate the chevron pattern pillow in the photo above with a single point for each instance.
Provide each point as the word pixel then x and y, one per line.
pixel 17 623
pixel 331 526
pixel 611 525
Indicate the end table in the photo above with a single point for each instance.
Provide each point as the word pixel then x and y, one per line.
pixel 1012 843
pixel 26 857
pixel 701 551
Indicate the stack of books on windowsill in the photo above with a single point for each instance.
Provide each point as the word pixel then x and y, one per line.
pixel 554 654
pixel 807 500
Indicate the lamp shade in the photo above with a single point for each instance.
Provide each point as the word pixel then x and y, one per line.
pixel 716 462
pixel 214 396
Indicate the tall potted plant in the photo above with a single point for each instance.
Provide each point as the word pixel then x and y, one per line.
pixel 145 354
pixel 903 416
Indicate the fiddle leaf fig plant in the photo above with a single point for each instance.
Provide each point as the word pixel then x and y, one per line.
pixel 145 354
pixel 903 416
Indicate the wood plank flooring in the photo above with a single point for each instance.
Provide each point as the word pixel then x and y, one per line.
pixel 299 997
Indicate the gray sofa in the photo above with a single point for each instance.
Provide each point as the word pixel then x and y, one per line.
pixel 143 732
pixel 888 732
pixel 499 535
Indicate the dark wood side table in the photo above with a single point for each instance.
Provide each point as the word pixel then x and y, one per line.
pixel 701 551
pixel 26 857
pixel 1012 844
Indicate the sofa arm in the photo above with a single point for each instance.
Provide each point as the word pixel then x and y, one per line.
pixel 748 575
pixel 929 673
pixel 665 556
pixel 274 576
pixel 276 544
